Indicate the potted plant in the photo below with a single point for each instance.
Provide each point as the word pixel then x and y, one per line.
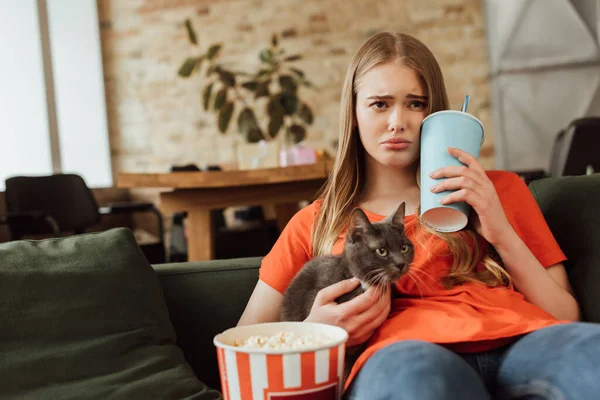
pixel 266 103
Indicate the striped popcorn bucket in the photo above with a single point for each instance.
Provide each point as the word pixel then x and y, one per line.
pixel 314 372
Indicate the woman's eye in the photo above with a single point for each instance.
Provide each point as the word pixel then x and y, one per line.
pixel 404 249
pixel 379 105
pixel 381 252
pixel 417 104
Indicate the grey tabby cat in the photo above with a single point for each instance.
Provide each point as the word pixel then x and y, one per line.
pixel 378 254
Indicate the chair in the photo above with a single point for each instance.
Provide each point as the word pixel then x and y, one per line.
pixel 63 204
pixel 574 152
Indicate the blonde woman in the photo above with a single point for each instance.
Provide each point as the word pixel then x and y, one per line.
pixel 483 311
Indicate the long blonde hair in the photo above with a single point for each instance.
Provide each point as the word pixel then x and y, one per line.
pixel 347 180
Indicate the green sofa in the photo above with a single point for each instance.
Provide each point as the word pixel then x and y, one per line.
pixel 87 317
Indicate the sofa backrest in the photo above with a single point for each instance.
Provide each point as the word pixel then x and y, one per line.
pixel 571 206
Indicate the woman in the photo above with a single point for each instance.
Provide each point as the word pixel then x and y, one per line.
pixel 483 311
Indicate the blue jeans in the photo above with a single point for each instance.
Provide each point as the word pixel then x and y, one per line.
pixel 558 362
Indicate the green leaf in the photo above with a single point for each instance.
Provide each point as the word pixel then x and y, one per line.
pixel 262 89
pixel 190 32
pixel 274 106
pixel 288 84
pixel 275 124
pixel 206 96
pixel 225 114
pixel 274 40
pixel 266 56
pixel 290 102
pixel 298 72
pixel 263 72
pixel 246 121
pixel 295 57
pixel 305 114
pixel 188 66
pixel 307 84
pixel 213 69
pixel 255 135
pixel 213 51
pixel 250 85
pixel 297 133
pixel 227 78
pixel 221 98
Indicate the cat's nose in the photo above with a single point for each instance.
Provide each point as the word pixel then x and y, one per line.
pixel 403 267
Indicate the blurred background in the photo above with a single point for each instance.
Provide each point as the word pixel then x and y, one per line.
pixel 98 88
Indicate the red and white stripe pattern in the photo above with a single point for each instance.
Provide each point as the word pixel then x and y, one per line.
pixel 309 375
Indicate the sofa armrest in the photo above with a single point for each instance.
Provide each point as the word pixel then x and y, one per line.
pixel 570 206
pixel 204 299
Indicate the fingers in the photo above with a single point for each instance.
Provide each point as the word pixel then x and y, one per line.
pixel 364 324
pixel 455 171
pixel 474 199
pixel 332 292
pixel 360 303
pixel 465 158
pixel 460 182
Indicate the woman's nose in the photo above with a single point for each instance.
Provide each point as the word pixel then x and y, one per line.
pixel 396 122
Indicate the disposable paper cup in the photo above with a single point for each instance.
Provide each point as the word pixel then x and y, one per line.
pixel 439 131
pixel 265 374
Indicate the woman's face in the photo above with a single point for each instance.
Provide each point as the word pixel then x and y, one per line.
pixel 391 103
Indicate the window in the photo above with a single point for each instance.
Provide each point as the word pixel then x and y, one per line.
pixel 52 103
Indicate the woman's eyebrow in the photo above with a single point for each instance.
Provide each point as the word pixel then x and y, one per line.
pixel 382 96
pixel 417 97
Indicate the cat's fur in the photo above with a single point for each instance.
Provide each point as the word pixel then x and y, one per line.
pixel 362 258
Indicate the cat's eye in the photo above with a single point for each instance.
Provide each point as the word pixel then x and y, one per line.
pixel 381 252
pixel 404 249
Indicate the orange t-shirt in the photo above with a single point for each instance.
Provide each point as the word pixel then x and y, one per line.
pixel 469 317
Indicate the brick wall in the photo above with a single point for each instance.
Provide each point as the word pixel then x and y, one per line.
pixel 156 119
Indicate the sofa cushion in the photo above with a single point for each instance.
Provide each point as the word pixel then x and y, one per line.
pixel 571 208
pixel 84 317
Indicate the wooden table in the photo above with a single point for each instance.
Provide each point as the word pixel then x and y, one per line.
pixel 198 193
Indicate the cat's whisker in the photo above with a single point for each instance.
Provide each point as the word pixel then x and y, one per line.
pixel 384 282
pixel 379 282
pixel 424 273
pixel 372 273
pixel 374 277
pixel 415 277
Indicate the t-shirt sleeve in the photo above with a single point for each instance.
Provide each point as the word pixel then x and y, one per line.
pixel 291 251
pixel 527 219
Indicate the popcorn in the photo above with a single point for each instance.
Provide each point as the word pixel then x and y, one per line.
pixel 283 341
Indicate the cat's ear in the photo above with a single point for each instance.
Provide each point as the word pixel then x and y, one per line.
pixel 397 218
pixel 359 225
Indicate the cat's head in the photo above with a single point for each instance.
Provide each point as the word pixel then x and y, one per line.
pixel 378 253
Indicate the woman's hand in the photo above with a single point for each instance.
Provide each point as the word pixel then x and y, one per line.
pixel 359 316
pixel 472 185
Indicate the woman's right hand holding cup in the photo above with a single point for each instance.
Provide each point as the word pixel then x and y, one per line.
pixel 359 316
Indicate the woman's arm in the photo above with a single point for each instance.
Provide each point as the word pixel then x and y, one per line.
pixel 263 306
pixel 549 288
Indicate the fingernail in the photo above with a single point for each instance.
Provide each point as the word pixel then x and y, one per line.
pixel 434 188
pixel 353 279
pixel 432 175
pixel 442 201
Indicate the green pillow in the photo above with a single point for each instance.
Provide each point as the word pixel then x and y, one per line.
pixel 84 317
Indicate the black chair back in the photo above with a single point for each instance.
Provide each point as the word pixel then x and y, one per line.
pixel 576 148
pixel 65 197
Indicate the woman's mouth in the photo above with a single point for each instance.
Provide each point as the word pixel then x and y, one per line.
pixel 396 144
